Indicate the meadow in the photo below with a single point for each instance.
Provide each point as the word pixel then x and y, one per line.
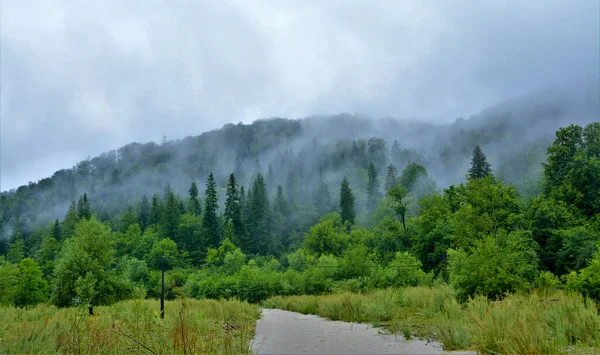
pixel 131 327
pixel 539 322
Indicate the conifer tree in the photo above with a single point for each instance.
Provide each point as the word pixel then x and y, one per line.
pixel 280 204
pixel 84 211
pixel 233 210
pixel 144 215
pixel 480 167
pixel 258 218
pixel 391 178
pixel 195 207
pixel 155 211
pixel 372 188
pixel 210 219
pixel 171 216
pixel 347 202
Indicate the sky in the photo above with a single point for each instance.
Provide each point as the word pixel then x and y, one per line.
pixel 78 78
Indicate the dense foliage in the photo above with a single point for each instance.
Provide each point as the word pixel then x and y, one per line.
pixel 253 236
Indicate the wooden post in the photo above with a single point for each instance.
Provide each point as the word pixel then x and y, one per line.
pixel 162 290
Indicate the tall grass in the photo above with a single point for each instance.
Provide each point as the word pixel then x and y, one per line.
pixel 519 324
pixel 131 327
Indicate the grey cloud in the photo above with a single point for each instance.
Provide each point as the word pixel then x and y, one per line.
pixel 79 78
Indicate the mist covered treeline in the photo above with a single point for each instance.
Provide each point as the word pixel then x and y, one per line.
pixel 305 156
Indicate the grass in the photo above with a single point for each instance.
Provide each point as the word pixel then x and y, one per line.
pixel 519 324
pixel 131 327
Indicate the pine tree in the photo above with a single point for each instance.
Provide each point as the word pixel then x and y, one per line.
pixel 322 196
pixel 372 188
pixel 480 167
pixel 195 207
pixel 258 218
pixel 281 214
pixel 84 211
pixel 347 202
pixel 171 216
pixel 280 204
pixel 210 220
pixel 391 178
pixel 144 215
pixel 155 211
pixel 233 210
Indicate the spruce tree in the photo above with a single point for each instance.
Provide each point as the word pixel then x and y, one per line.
pixel 281 214
pixel 195 207
pixel 155 211
pixel 258 218
pixel 84 211
pixel 210 220
pixel 372 188
pixel 391 178
pixel 233 210
pixel 480 167
pixel 144 215
pixel 347 202
pixel 171 216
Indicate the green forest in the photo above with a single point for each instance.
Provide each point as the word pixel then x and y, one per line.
pixel 365 218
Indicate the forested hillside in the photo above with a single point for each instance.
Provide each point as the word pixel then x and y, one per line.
pixel 492 204
pixel 301 155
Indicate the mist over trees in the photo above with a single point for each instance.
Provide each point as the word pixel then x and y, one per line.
pixel 296 206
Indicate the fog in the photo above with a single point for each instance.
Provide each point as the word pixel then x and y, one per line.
pixel 81 78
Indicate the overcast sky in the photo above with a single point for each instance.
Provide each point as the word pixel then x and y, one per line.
pixel 82 77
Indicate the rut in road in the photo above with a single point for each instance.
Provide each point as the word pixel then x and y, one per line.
pixel 283 332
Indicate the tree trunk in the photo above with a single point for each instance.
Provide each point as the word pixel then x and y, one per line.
pixel 91 309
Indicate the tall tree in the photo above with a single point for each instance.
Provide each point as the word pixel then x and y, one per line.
pixel 391 177
pixel 144 215
pixel 210 219
pixel 171 216
pixel 480 167
pixel 347 202
pixel 195 207
pixel 84 210
pixel 155 211
pixel 372 187
pixel 258 218
pixel 233 208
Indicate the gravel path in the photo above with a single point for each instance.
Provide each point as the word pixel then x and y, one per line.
pixel 283 332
